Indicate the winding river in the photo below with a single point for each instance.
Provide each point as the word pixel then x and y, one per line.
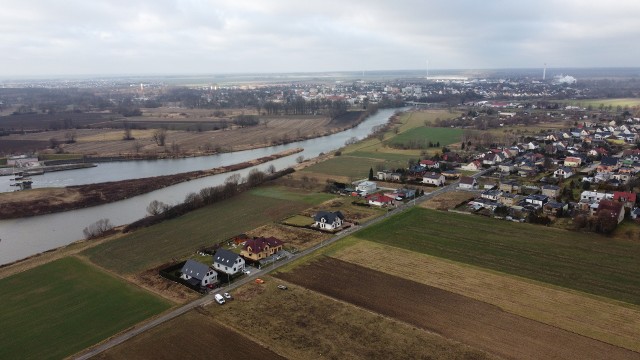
pixel 20 238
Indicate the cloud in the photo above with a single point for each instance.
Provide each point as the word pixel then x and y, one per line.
pixel 39 37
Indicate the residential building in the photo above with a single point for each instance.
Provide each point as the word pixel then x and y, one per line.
pixel 468 183
pixel 196 273
pixel 260 248
pixel 228 262
pixel 433 178
pixel 615 208
pixel 328 220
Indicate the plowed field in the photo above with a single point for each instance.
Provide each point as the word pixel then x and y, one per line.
pixel 454 316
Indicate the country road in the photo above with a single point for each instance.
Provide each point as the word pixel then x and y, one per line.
pixel 140 328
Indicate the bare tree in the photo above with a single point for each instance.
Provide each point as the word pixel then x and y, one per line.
pixel 137 146
pixel 127 131
pixel 233 179
pixel 271 169
pixel 160 136
pixel 70 136
pixel 300 159
pixel 97 229
pixel 156 207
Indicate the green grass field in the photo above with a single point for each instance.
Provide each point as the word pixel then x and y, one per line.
pixel 62 307
pixel 445 136
pixel 390 157
pixel 177 238
pixel 586 262
pixel 284 193
pixel 351 166
pixel 298 220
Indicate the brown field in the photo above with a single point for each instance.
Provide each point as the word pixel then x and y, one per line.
pixel 109 142
pixel 193 335
pixel 447 200
pixel 298 238
pixel 302 324
pixel 472 322
pixel 594 317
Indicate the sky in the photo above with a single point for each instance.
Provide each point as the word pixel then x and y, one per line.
pixel 155 37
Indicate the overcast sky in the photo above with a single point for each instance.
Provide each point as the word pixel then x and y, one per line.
pixel 77 37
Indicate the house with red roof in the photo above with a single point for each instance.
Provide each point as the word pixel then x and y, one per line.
pixel 430 164
pixel 380 200
pixel 259 248
pixel 628 199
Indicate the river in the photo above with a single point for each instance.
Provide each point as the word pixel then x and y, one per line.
pixel 20 238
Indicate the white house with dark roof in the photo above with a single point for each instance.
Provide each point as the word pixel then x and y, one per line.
pixel 468 183
pixel 433 178
pixel 197 273
pixel 328 220
pixel 228 262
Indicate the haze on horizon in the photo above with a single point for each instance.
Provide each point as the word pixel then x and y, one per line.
pixel 115 37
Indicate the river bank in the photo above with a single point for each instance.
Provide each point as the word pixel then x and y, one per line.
pixel 51 200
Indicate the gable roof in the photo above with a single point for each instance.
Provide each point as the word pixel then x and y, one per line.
pixel 609 161
pixel 379 198
pixel 624 196
pixel 433 175
pixel 225 257
pixel 467 180
pixel 259 244
pixel 613 206
pixel 328 216
pixel 195 269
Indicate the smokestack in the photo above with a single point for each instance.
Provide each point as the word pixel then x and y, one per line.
pixel 544 72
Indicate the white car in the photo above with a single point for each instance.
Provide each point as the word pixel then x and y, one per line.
pixel 219 299
pixel 247 272
pixel 227 296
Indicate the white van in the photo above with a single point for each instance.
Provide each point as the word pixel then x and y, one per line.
pixel 219 299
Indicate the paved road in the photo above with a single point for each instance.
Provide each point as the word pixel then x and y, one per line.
pixel 138 329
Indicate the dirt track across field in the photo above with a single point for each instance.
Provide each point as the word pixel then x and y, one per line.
pixel 454 316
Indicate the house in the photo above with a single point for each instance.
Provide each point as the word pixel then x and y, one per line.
pixel 433 178
pixel 554 208
pixel 380 200
pixel 468 183
pixel 328 220
pixel 572 161
pixel 405 193
pixel 492 159
pixel 228 262
pixel 451 174
pixel 490 195
pixel 366 187
pixel 589 196
pixel 261 248
pixel 508 199
pixel 506 167
pixel 196 273
pixel 615 208
pixel 563 172
pixel 383 175
pixel 430 164
pixel 552 191
pixel 510 187
pixel 626 198
pixel 475 165
pixel 537 200
pixel 608 164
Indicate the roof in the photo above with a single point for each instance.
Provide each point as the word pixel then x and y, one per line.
pixel 427 162
pixel 195 269
pixel 609 161
pixel 467 180
pixel 379 198
pixel 613 206
pixel 624 196
pixel 433 175
pixel 259 244
pixel 329 217
pixel 225 257
pixel 551 187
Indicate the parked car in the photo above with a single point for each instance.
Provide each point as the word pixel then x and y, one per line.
pixel 259 281
pixel 247 272
pixel 282 287
pixel 219 299
pixel 227 296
